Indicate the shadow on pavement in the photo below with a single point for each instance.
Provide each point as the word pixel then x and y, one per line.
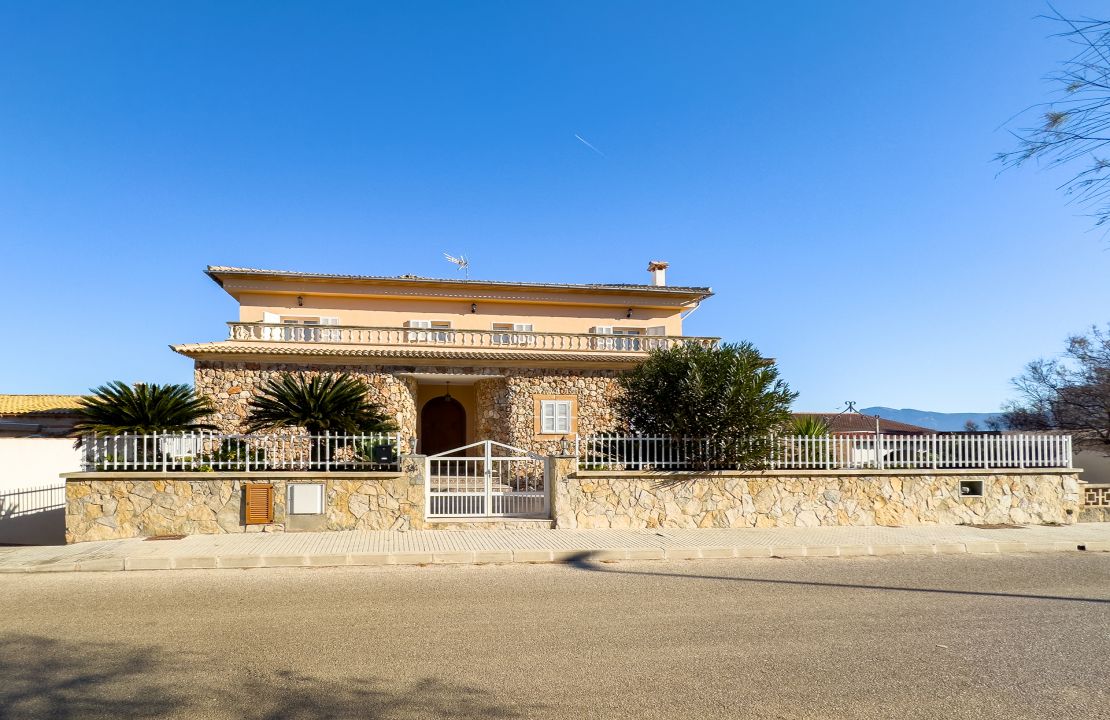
pixel 584 561
pixel 47 678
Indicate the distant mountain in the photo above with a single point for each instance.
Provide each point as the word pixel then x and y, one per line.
pixel 934 420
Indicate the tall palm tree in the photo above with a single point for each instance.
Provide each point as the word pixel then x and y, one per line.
pixel 323 403
pixel 118 408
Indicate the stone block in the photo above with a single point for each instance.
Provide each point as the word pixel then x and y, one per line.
pixel 148 563
pixel 100 565
pixel 532 556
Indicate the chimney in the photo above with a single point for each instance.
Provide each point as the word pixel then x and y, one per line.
pixel 658 270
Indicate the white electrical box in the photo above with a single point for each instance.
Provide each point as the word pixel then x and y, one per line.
pixel 306 498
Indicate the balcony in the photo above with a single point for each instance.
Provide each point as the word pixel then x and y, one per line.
pixel 454 339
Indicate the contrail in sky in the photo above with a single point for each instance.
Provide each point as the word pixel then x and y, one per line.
pixel 587 144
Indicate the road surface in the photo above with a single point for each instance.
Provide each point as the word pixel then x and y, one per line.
pixel 949 636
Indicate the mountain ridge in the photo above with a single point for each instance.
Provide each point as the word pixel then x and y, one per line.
pixel 930 419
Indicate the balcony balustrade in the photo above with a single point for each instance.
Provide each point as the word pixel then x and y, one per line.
pixel 455 338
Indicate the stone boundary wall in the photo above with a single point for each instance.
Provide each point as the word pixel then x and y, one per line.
pixel 639 500
pixel 108 506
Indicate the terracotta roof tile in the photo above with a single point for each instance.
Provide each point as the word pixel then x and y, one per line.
pixel 26 404
pixel 215 270
pixel 856 423
pixel 329 350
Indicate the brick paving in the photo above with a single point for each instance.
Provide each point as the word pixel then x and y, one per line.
pixel 541 545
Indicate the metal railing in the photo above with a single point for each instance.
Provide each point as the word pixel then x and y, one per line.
pixel 829 452
pixel 260 452
pixel 30 500
pixel 445 337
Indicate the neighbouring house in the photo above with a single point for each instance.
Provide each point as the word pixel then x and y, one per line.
pixel 38 415
pixel 34 450
pixel 848 423
pixel 453 361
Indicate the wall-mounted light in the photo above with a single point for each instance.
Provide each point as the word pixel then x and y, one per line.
pixel 473 307
pixel 300 301
pixel 629 313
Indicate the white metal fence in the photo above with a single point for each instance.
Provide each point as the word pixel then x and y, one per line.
pixel 204 451
pixel 830 452
pixel 496 480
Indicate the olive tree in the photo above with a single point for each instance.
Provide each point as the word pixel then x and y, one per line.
pixel 725 400
pixel 1069 393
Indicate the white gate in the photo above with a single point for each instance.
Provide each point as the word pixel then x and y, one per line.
pixel 486 479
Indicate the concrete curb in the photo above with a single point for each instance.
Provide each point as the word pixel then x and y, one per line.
pixel 553 555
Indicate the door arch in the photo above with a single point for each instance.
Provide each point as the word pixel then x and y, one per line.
pixel 442 425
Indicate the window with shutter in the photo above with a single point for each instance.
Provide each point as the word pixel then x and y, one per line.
pixel 431 331
pixel 513 334
pixel 258 503
pixel 555 417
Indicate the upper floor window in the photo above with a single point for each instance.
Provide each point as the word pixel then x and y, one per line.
pixel 434 331
pixel 300 328
pixel 625 338
pixel 513 334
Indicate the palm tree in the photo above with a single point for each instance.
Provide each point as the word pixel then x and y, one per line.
pixel 809 426
pixel 118 409
pixel 324 403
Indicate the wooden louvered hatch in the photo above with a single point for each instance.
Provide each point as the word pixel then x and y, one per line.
pixel 258 501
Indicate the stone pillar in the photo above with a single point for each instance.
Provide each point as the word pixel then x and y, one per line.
pixel 414 467
pixel 560 469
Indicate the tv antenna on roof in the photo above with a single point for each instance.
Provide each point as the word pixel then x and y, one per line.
pixel 461 262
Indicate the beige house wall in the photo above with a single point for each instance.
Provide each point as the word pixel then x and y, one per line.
pixel 395 312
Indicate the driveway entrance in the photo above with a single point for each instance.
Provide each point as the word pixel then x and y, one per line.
pixel 487 479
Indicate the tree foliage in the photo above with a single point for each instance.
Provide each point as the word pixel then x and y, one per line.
pixel 729 395
pixel 1070 393
pixel 1074 128
pixel 321 403
pixel 118 408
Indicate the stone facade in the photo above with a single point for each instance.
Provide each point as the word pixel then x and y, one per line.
pixel 507 409
pixel 505 403
pixel 231 385
pixel 103 506
pixel 106 506
pixel 774 499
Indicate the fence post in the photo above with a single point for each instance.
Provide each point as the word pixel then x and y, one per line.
pixel 878 451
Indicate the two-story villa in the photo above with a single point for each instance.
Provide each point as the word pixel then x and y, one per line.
pixel 454 361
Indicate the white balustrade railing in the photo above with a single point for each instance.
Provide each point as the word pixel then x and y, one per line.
pixel 494 339
pixel 260 452
pixel 830 452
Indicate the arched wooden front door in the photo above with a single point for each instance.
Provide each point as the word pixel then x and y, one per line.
pixel 442 425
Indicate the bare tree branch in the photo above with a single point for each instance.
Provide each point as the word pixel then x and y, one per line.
pixel 1071 393
pixel 1075 126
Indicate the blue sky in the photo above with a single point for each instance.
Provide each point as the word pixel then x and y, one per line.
pixel 825 167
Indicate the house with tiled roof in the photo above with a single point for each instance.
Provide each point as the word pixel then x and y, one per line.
pixel 453 361
pixel 854 423
pixel 37 415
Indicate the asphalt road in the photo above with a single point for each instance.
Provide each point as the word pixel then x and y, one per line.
pixel 937 637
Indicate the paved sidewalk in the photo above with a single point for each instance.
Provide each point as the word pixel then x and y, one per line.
pixel 539 546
